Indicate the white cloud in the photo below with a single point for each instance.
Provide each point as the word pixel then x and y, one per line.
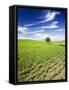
pixel 54 23
pixel 59 30
pixel 51 26
pixel 23 30
pixel 20 28
pixel 30 24
pixel 38 31
pixel 48 17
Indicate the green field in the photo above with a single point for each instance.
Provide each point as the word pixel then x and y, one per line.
pixel 40 60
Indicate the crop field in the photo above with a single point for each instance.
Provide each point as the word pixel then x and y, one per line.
pixel 39 61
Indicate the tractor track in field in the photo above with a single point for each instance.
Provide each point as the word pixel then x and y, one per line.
pixel 39 71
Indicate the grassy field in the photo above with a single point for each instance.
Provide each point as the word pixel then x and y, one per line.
pixel 40 60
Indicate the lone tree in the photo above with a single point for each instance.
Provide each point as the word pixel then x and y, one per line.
pixel 48 39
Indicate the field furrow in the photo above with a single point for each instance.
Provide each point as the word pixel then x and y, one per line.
pixel 40 61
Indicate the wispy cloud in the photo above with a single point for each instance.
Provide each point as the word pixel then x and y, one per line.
pixel 25 30
pixel 50 26
pixel 30 24
pixel 60 30
pixel 48 17
pixel 22 31
pixel 33 32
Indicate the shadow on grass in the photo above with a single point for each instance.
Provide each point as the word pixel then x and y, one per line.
pixel 62 45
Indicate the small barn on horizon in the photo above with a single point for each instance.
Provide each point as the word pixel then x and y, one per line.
pixel 47 39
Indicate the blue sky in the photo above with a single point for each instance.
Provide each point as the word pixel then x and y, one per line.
pixel 37 24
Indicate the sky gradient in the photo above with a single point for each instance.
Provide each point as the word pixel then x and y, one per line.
pixel 38 24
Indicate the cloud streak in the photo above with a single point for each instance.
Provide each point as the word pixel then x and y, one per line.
pixel 60 30
pixel 24 30
pixel 51 15
pixel 48 17
pixel 50 26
